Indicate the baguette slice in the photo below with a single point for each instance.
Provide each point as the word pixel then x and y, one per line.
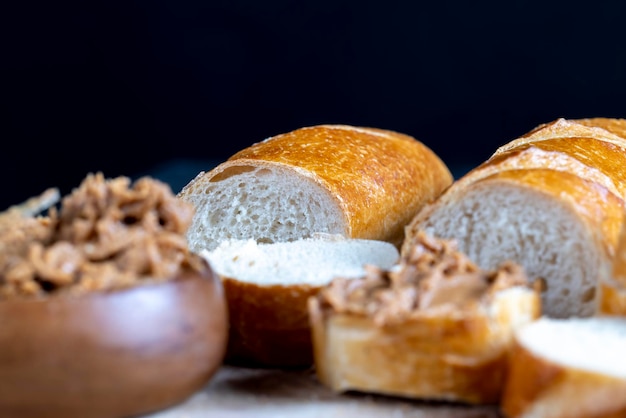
pixel 435 327
pixel 267 287
pixel 552 201
pixel 570 368
pixel 357 182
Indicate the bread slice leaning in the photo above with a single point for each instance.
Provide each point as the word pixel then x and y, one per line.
pixel 267 286
pixel 570 368
pixel 434 327
pixel 357 182
pixel 551 200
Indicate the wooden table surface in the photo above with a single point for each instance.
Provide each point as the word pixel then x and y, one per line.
pixel 239 392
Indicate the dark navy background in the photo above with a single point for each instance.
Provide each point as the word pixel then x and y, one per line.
pixel 170 87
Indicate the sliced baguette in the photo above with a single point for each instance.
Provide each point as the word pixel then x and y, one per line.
pixel 267 287
pixel 567 368
pixel 357 182
pixel 552 201
pixel 435 327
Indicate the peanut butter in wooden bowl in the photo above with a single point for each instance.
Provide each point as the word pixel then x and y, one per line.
pixel 104 312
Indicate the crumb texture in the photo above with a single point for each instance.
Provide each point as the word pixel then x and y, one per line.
pixel 497 222
pixel 266 204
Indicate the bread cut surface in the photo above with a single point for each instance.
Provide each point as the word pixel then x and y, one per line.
pixel 264 201
pixel 595 344
pixel 551 200
pixel 267 286
pixel 337 179
pixel 313 261
pixel 567 368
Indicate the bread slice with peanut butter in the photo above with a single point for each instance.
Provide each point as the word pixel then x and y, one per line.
pixel 435 326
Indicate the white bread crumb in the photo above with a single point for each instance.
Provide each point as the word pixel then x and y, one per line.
pixel 312 261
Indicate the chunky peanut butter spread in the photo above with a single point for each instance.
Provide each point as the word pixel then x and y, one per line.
pixel 432 277
pixel 107 234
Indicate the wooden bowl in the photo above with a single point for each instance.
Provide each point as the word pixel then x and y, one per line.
pixel 114 354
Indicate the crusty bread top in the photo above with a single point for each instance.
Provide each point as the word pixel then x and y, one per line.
pixel 357 182
pixel 587 150
pixel 565 128
pixel 598 158
pixel 368 168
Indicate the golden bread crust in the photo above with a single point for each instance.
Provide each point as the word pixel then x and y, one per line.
pixel 269 324
pixel 604 156
pixel 616 126
pixel 612 299
pixel 563 145
pixel 612 292
pixel 538 387
pixel 563 128
pixel 380 178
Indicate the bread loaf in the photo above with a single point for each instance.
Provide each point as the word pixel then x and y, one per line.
pixel 336 180
pixel 434 327
pixel 567 368
pixel 267 287
pixel 551 200
pixel 356 182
